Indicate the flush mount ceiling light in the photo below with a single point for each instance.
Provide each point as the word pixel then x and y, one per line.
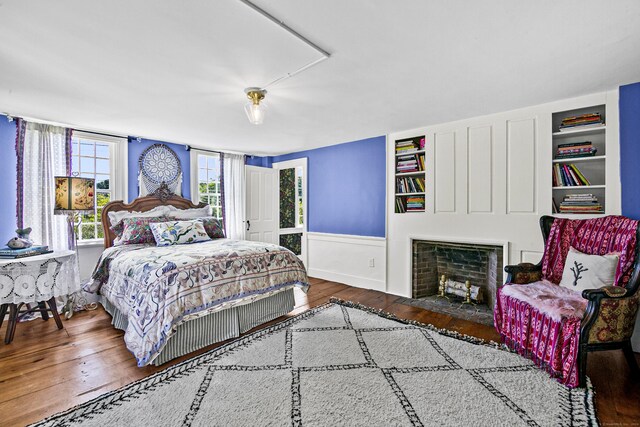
pixel 255 111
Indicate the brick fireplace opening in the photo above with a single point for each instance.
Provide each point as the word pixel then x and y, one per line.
pixel 480 264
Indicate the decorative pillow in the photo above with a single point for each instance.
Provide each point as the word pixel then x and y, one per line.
pixel 179 232
pixel 189 213
pixel 137 230
pixel 116 217
pixel 212 225
pixel 582 271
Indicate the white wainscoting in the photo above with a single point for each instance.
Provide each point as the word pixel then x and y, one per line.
pixel 348 259
pixel 88 256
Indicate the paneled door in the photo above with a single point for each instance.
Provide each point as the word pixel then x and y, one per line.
pixel 262 208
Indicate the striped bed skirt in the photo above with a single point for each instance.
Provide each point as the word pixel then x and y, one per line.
pixel 215 327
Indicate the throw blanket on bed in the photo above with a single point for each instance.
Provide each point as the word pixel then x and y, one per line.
pixel 157 288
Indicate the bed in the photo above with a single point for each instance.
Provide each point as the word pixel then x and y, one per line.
pixel 173 300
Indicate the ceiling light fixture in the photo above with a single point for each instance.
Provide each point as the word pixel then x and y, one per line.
pixel 255 111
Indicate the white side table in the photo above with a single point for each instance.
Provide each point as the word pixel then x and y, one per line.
pixel 36 280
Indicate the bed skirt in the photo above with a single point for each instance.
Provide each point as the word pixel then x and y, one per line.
pixel 215 327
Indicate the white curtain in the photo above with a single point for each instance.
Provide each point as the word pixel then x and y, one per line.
pixel 234 195
pixel 44 158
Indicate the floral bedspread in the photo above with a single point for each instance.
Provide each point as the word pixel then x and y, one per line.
pixel 157 288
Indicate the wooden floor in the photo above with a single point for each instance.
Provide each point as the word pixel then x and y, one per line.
pixel 46 370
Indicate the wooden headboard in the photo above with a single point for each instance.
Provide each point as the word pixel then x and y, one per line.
pixel 161 197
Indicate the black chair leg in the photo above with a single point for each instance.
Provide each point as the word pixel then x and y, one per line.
pixel 3 313
pixel 582 366
pixel 13 321
pixel 54 312
pixel 631 359
pixel 42 306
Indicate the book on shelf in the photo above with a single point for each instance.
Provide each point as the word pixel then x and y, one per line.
pixel 8 253
pixel 578 155
pixel 410 163
pixel 581 120
pixel 415 203
pixel 584 121
pixel 568 175
pixel 580 203
pixel 403 147
pixel 410 185
pixel 575 149
pixel 410 145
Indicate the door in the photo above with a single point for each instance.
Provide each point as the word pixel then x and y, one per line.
pixel 292 206
pixel 262 216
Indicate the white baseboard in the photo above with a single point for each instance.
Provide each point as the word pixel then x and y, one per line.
pixel 357 281
pixel 347 259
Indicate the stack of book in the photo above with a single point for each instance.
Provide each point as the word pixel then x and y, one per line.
pixel 8 253
pixel 410 185
pixel 583 121
pixel 568 175
pixel 580 203
pixel 407 147
pixel 415 203
pixel 575 149
pixel 410 163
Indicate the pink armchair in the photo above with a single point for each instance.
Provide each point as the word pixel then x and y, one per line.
pixel 557 327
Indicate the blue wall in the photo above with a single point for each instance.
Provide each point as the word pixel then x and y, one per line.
pixel 346 190
pixel 630 149
pixel 7 180
pixel 136 148
pixel 264 162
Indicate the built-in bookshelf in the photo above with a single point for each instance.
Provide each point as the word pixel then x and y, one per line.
pixel 410 174
pixel 579 161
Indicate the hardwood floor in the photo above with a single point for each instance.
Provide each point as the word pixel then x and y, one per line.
pixel 46 370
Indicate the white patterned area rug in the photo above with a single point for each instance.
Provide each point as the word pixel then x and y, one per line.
pixel 343 364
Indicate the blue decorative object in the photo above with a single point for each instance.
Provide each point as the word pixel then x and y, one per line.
pixel 22 241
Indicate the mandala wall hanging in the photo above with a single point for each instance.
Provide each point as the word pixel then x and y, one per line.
pixel 157 164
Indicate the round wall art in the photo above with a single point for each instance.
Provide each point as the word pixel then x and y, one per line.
pixel 157 164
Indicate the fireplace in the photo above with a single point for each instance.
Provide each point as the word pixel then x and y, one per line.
pixel 478 263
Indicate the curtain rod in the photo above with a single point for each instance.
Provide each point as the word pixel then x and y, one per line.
pixel 189 148
pixel 129 138
pixel 11 117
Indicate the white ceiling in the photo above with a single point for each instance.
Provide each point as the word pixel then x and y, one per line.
pixel 176 70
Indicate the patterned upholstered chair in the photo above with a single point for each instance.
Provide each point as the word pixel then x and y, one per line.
pixel 555 326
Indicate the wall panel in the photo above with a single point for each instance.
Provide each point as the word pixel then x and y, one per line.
pixel 445 172
pixel 479 169
pixel 521 166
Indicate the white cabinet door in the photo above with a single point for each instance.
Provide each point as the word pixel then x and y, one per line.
pixel 262 214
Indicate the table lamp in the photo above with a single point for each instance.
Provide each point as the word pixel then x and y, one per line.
pixel 74 196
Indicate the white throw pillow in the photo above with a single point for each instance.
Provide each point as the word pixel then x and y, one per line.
pixel 178 232
pixel 189 213
pixel 582 271
pixel 116 217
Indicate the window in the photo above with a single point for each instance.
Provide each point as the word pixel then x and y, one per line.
pixel 92 157
pixel 209 190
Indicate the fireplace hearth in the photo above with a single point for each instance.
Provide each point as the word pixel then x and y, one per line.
pixel 480 264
